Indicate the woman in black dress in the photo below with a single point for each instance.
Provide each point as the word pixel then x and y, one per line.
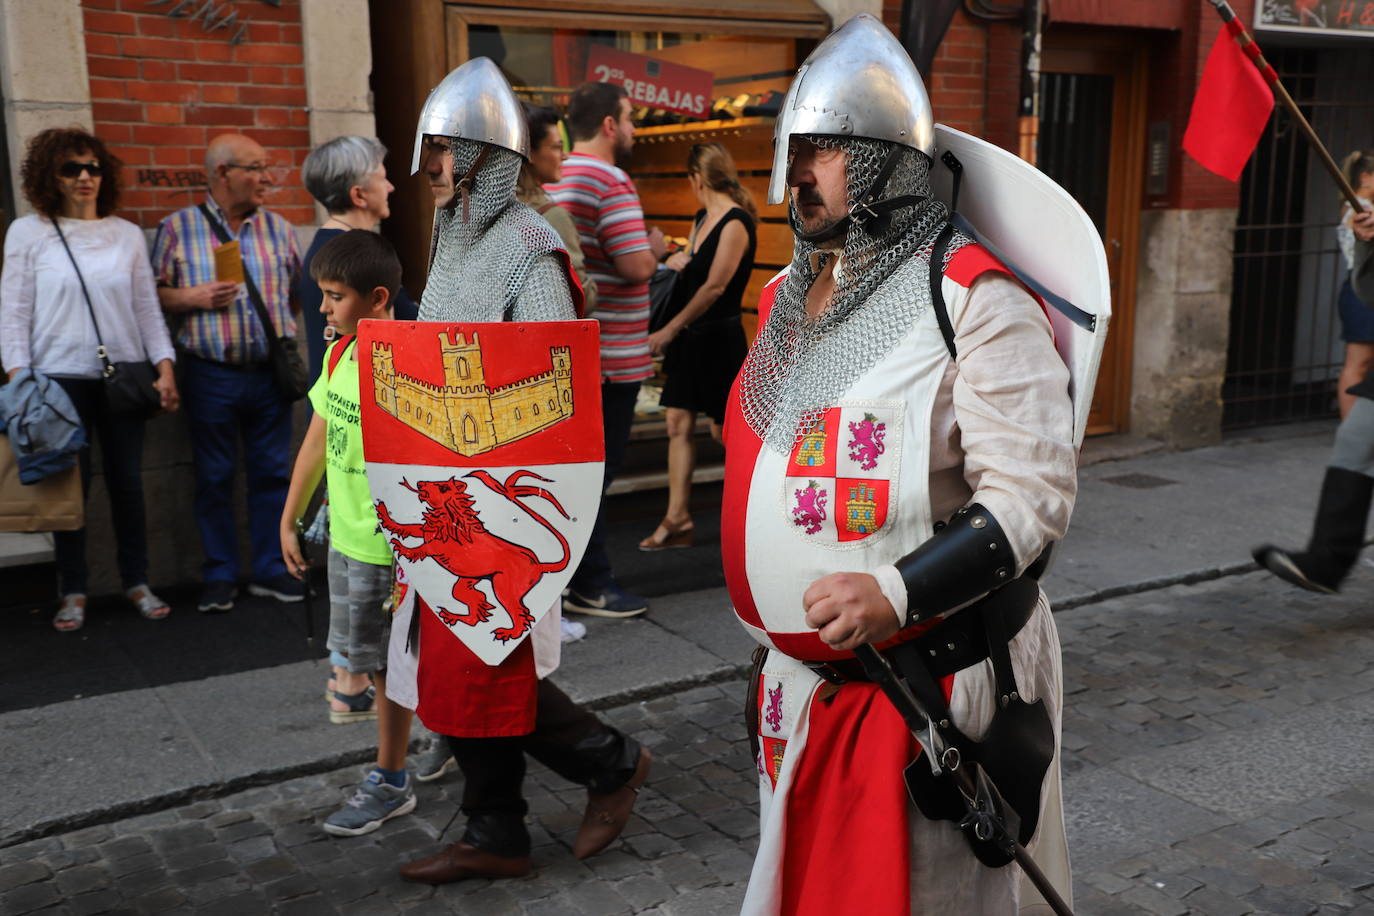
pixel 703 344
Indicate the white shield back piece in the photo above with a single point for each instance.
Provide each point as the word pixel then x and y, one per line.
pixel 1039 229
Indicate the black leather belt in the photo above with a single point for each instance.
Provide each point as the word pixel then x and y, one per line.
pixel 954 644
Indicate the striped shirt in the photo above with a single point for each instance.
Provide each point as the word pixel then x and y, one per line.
pixel 605 207
pixel 183 255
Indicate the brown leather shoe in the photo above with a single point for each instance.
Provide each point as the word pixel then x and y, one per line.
pixel 463 860
pixel 606 815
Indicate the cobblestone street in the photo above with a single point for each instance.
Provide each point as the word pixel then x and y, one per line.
pixel 1216 761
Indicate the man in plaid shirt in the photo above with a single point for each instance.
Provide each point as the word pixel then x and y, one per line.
pixel 227 386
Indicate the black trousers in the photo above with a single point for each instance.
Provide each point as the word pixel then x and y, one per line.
pixel 567 739
pixel 121 456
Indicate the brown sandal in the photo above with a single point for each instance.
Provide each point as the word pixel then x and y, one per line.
pixel 671 537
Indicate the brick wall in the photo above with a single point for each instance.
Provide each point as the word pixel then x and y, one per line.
pixel 161 88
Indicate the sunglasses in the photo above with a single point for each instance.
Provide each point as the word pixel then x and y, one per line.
pixel 74 169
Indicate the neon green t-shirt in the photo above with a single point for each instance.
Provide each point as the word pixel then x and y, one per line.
pixel 352 518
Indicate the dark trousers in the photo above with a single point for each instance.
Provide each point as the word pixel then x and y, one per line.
pixel 226 404
pixel 618 413
pixel 121 458
pixel 567 739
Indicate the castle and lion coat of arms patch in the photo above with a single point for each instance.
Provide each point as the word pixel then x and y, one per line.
pixel 484 455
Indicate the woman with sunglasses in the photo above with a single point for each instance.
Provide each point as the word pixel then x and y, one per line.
pixel 46 325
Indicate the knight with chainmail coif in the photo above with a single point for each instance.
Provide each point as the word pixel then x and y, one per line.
pixel 902 432
pixel 494 259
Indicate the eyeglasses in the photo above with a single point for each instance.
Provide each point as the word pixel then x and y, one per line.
pixel 255 167
pixel 73 169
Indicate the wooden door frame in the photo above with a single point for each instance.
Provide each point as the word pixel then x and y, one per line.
pixel 1113 53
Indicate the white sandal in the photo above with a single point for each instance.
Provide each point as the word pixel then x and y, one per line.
pixel 71 614
pixel 149 605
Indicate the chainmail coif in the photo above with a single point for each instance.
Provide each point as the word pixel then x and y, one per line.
pixel 499 263
pixel 800 365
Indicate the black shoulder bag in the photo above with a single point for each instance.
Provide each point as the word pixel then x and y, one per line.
pixel 288 369
pixel 129 387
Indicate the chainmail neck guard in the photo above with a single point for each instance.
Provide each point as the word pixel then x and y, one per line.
pixel 491 267
pixel 800 365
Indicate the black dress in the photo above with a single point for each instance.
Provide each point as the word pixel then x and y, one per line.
pixel 702 361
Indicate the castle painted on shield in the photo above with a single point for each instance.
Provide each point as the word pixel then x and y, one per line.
pixel 464 414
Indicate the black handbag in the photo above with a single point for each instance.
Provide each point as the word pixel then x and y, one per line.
pixel 288 369
pixel 661 286
pixel 129 386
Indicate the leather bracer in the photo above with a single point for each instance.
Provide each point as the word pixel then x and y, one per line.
pixel 964 560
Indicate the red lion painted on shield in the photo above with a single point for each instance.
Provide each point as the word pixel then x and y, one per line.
pixel 453 536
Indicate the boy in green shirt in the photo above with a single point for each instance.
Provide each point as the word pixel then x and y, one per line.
pixel 358 273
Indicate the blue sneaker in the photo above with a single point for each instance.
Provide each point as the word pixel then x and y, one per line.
pixel 282 587
pixel 374 803
pixel 612 601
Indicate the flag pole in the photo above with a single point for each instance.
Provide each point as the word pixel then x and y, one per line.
pixel 1252 51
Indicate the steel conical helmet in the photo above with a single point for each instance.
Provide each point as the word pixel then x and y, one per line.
pixel 859 82
pixel 474 102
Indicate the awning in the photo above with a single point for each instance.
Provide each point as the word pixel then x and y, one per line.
pixel 780 18
pixel 1143 14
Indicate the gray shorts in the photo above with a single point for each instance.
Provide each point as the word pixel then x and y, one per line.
pixel 359 624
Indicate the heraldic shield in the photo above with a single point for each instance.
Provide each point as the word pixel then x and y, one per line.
pixel 484 456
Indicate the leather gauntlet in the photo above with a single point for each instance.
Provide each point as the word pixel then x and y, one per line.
pixel 964 560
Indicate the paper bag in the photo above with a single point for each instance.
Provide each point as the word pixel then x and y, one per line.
pixel 52 504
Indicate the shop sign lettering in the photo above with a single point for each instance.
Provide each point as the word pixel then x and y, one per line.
pixel 653 83
pixel 166 178
pixel 1317 17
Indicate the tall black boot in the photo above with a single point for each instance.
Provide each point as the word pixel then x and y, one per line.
pixel 1337 535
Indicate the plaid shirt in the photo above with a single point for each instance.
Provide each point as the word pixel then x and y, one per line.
pixel 183 255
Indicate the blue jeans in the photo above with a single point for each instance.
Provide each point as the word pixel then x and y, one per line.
pixel 121 459
pixel 618 413
pixel 225 404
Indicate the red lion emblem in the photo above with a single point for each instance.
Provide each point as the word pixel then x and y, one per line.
pixel 453 536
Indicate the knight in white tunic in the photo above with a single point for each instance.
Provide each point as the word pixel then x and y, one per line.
pixel 899 454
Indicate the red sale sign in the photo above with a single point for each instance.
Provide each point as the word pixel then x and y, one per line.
pixel 653 83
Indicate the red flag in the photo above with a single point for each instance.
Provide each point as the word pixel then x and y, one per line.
pixel 1232 106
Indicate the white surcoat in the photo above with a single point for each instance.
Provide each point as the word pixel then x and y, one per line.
pixel 914 438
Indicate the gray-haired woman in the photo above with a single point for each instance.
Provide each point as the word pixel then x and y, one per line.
pixel 347 176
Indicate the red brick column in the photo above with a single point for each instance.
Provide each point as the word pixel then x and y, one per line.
pixel 161 88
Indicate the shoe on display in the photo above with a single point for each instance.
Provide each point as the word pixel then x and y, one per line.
pixel 434 761
pixel 373 804
pixel 217 596
pixel 612 601
pixel 282 587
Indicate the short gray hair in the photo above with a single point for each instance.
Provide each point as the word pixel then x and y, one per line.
pixel 334 168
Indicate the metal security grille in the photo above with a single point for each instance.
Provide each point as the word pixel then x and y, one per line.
pixel 1285 352
pixel 1075 137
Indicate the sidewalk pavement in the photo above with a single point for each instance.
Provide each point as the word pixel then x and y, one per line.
pixel 1142 521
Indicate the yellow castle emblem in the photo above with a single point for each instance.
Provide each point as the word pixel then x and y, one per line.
pixel 812 451
pixel 862 517
pixel 464 414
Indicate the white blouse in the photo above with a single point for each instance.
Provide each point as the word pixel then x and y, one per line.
pixel 44 322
